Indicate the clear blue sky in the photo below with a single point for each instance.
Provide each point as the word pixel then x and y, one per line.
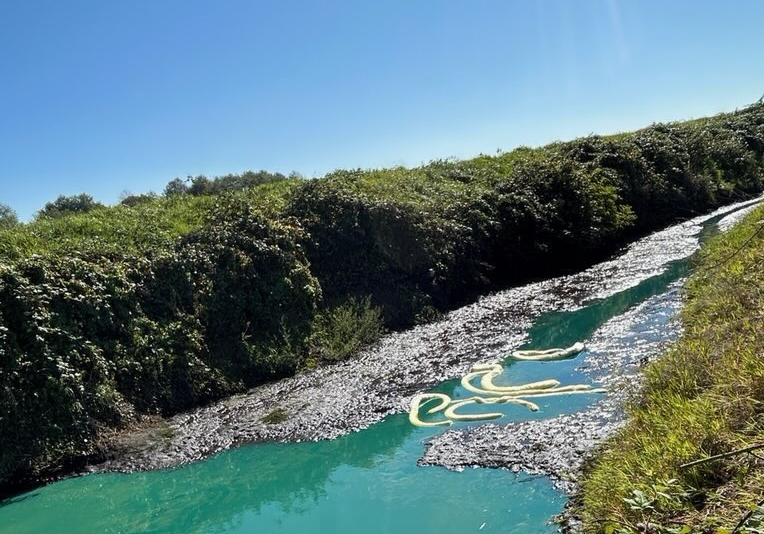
pixel 103 96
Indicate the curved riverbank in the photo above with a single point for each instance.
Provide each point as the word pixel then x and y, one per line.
pixel 558 446
pixel 332 401
pixel 295 487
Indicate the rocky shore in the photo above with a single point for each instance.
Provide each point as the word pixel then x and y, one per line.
pixel 331 401
pixel 558 446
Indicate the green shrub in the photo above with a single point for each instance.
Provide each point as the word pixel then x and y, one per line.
pixel 341 331
pixel 201 185
pixel 134 200
pixel 8 216
pixel 89 341
pixel 64 205
pixel 279 415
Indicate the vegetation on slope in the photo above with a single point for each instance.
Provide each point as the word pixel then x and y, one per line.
pixel 704 397
pixel 163 303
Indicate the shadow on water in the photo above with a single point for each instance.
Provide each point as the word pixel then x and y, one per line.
pixel 18 499
pixel 561 329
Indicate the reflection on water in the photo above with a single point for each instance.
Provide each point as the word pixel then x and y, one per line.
pixel 367 481
pixel 563 329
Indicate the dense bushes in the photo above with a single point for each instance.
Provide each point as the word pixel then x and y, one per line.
pixel 64 205
pixel 165 302
pixel 130 200
pixel 360 246
pixel 440 234
pixel 87 341
pixel 553 213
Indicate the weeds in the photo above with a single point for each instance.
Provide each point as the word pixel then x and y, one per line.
pixel 279 415
pixel 702 398
pixel 341 331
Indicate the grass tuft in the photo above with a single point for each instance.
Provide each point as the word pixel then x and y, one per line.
pixel 279 415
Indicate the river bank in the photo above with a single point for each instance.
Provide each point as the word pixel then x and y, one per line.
pixel 335 400
pixel 296 481
pixel 702 398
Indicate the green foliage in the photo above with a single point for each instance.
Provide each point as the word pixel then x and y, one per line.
pixel 702 398
pixel 154 223
pixel 89 341
pixel 755 523
pixel 64 205
pixel 8 216
pixel 201 185
pixel 133 200
pixel 438 235
pixel 123 228
pixel 254 287
pixel 279 415
pixel 175 187
pixel 660 498
pixel 341 331
pixel 389 250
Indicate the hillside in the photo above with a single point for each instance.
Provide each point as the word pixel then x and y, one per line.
pixel 166 303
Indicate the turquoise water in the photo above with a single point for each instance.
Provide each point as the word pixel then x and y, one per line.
pixel 364 482
pixel 367 481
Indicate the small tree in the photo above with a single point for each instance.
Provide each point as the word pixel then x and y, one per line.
pixel 176 187
pixel 8 216
pixel 65 205
pixel 200 185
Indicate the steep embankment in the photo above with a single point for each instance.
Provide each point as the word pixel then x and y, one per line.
pixel 702 398
pixel 162 304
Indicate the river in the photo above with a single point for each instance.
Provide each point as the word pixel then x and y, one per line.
pixel 375 480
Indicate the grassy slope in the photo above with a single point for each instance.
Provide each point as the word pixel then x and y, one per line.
pixel 702 398
pixel 158 222
pixel 438 190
